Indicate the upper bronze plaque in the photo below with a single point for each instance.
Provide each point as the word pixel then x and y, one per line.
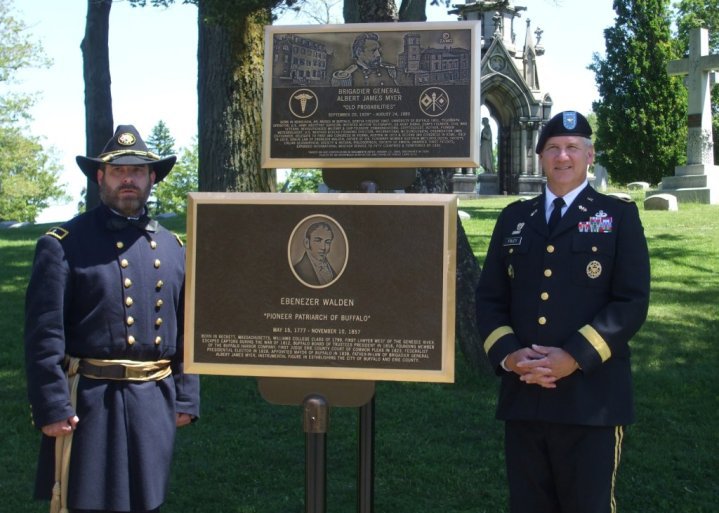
pixel 366 95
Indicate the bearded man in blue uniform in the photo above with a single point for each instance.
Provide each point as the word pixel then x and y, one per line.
pixel 104 342
pixel 564 287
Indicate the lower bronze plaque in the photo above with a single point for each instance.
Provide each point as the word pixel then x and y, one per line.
pixel 334 286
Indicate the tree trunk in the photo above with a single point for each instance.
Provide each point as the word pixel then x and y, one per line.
pixel 369 11
pixel 434 181
pixel 229 88
pixel 439 181
pixel 413 10
pixel 98 96
pixel 468 270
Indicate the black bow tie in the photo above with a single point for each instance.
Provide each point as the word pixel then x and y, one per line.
pixel 117 223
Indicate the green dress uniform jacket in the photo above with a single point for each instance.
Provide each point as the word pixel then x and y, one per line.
pixel 105 289
pixel 585 288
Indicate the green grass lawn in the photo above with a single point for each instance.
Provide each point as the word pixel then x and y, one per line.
pixel 438 447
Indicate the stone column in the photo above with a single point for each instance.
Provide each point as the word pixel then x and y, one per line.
pixel 523 128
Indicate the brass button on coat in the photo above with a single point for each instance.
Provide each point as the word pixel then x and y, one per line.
pixel 158 340
pixel 130 340
pixel 544 296
pixel 157 263
pixel 547 273
pixel 129 301
pixel 124 263
pixel 159 303
pixel 550 249
pixel 542 321
pixel 153 244
pixel 159 284
pixel 130 320
pixel 158 322
pixel 128 283
pixel 119 244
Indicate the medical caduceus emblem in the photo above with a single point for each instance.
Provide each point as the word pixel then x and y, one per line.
pixel 303 103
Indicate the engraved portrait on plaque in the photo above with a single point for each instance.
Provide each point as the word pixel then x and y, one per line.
pixel 318 251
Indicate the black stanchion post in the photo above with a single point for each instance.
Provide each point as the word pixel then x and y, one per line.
pixel 365 464
pixel 315 420
pixel 365 473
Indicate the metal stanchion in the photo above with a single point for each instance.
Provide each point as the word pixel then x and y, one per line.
pixel 316 418
pixel 365 463
pixel 365 471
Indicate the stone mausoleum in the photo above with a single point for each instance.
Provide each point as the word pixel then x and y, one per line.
pixel 512 93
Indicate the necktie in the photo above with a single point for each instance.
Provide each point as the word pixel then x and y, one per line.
pixel 556 214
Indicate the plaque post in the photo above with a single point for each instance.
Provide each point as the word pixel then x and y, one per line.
pixel 365 471
pixel 365 461
pixel 316 418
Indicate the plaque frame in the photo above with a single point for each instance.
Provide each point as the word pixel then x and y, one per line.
pixel 391 119
pixel 210 292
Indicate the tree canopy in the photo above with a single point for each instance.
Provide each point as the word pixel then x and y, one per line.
pixel 160 140
pixel 171 193
pixel 641 132
pixel 697 13
pixel 29 173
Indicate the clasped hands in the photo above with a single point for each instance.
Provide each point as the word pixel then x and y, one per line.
pixel 541 365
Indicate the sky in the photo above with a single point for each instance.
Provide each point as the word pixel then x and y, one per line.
pixel 153 66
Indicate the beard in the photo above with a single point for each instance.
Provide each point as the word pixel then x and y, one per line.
pixel 129 206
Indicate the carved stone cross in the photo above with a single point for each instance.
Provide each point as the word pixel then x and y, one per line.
pixel 697 67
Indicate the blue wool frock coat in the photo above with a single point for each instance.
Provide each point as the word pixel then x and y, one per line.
pixel 101 288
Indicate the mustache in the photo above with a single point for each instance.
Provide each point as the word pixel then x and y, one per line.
pixel 128 188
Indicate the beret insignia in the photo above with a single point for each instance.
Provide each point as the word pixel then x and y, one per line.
pixel 569 119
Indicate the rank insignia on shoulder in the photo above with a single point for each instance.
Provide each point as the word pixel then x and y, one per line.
pixel 58 232
pixel 179 240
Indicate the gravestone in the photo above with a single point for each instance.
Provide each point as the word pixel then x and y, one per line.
pixel 699 180
pixel 661 202
pixel 638 186
pixel 601 177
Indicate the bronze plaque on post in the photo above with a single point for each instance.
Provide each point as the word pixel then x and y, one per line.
pixel 363 95
pixel 335 286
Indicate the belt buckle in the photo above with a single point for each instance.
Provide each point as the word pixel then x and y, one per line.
pixel 131 373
